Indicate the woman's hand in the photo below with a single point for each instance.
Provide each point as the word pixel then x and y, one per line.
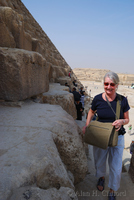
pixel 118 123
pixel 84 129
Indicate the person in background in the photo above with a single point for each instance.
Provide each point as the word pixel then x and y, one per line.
pixel 105 114
pixel 81 90
pixel 132 147
pixel 66 84
pixel 79 108
pixel 74 83
pixel 76 94
pixel 82 98
pixel 69 74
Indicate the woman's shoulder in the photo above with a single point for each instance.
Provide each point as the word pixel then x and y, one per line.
pixel 123 100
pixel 121 97
pixel 96 100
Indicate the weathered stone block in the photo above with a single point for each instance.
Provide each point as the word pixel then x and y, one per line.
pixel 36 45
pixel 12 28
pixel 40 144
pixel 16 21
pixel 7 40
pixel 62 80
pixel 55 72
pixel 27 42
pixel 22 74
pixel 58 95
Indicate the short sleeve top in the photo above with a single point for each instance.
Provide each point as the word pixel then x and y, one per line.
pixel 104 112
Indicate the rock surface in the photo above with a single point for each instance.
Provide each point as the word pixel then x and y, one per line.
pixel 18 29
pixel 42 145
pixel 42 155
pixel 59 95
pixel 23 74
pixel 27 73
pixel 35 193
pixel 12 28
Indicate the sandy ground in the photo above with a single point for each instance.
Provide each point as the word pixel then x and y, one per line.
pixel 97 87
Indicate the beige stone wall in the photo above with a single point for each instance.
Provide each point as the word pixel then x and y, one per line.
pixel 42 145
pixel 22 74
pixel 24 32
pixel 19 30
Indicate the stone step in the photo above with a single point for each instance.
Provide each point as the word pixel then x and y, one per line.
pixel 60 95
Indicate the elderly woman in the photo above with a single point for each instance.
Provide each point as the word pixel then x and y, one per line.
pixel 105 114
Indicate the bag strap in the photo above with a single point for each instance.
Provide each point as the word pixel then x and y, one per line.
pixel 118 106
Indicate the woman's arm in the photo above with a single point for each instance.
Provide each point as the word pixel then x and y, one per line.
pixel 126 118
pixel 89 118
pixel 119 122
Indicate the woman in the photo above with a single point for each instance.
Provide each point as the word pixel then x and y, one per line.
pixel 105 114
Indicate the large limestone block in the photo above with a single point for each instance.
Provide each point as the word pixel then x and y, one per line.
pixel 12 32
pixel 40 144
pixel 32 193
pixel 22 74
pixel 19 29
pixel 62 80
pixel 27 43
pixel 31 157
pixel 36 45
pixel 11 28
pixel 55 72
pixel 58 96
pixel 7 39
pixel 8 3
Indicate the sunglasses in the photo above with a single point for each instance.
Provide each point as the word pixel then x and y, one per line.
pixel 111 84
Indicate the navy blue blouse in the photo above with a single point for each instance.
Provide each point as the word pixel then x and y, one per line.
pixel 104 112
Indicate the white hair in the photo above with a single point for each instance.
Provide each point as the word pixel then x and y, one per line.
pixel 113 76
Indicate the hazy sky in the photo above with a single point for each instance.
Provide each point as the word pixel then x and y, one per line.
pixel 89 33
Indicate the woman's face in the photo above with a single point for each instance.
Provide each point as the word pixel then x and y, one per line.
pixel 109 86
